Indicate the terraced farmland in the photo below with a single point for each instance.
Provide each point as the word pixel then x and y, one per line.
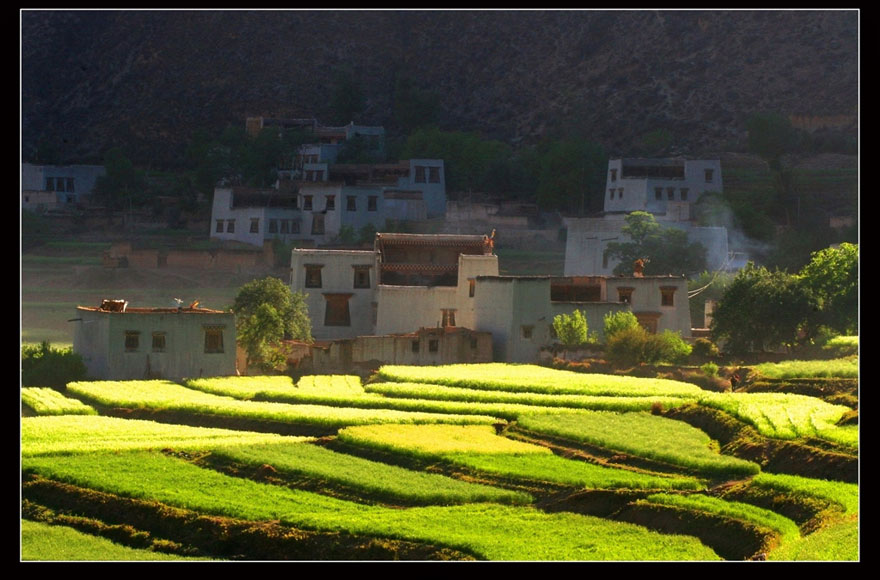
pixel 486 462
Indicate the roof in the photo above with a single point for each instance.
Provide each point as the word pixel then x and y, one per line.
pixel 159 310
pixel 395 239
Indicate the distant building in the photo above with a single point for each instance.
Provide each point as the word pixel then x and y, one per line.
pixel 46 187
pixel 120 343
pixel 666 188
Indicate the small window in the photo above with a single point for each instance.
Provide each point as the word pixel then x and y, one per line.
pixel 372 203
pixel 361 276
pixel 337 312
pixel 614 175
pixel 415 346
pixel 620 193
pixel 350 203
pixel 319 175
pixel 709 175
pixel 310 175
pixel 472 287
pixel 667 296
pixel 273 226
pixel 420 174
pixel 658 193
pixel 434 174
pixel 611 193
pixel 132 340
pixel 219 229
pixel 605 259
pixel 59 184
pixel 317 224
pixel 527 331
pixel 213 339
pixel 433 345
pixel 313 276
pixel 448 317
pixel 70 184
pixel 331 203
pixel 684 193
pixel 230 226
pixel 670 193
pixel 625 295
pixel 285 226
pixel 307 202
pixel 294 226
pixel 158 342
pixel 50 184
pixel 255 225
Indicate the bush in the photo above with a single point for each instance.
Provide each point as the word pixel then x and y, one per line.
pixel 44 366
pixel 617 321
pixel 571 328
pixel 635 344
pixel 710 369
pixel 627 346
pixel 705 348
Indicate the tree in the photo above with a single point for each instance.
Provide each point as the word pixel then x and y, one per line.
pixel 832 276
pixel 347 99
pixel 571 329
pixel 664 250
pixel 770 136
pixel 267 312
pixel 614 322
pixel 761 309
pixel 44 366
pixel 121 182
pixel 571 176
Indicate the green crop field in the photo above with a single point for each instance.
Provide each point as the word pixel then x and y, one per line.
pixel 847 367
pixel 46 401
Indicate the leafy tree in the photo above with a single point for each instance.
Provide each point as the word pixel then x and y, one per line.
pixel 664 250
pixel 571 329
pixel 121 184
pixel 771 135
pixel 832 276
pixel 266 313
pixel 347 99
pixel 571 176
pixel 44 366
pixel 413 107
pixel 635 345
pixel 761 309
pixel 614 322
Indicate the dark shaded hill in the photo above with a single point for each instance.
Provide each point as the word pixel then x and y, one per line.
pixel 147 80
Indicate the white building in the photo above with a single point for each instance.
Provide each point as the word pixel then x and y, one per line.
pixel 666 188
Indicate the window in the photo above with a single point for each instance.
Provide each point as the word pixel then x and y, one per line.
pixel 420 174
pixel 230 226
pixel 667 294
pixel 433 345
pixel 294 226
pixel 670 193
pixel 361 276
pixel 317 224
pixel 310 175
pixel 285 226
pixel 648 320
pixel 709 175
pixel 415 346
pixel 70 184
pixel 59 184
pixel 219 228
pixel 684 193
pixel 336 312
pixel 434 174
pixel 213 339
pixel 472 287
pixel 625 295
pixel 448 317
pixel 611 193
pixel 132 340
pixel 350 203
pixel 255 225
pixel 604 259
pixel 158 342
pixel 620 193
pixel 527 331
pixel 372 203
pixel 319 175
pixel 273 226
pixel 331 203
pixel 50 184
pixel 307 202
pixel 313 275
pixel 613 175
pixel 658 193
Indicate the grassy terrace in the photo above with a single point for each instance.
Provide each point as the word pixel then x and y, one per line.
pixel 167 396
pixel 643 435
pixel 847 367
pixel 537 379
pixel 46 401
pixel 370 479
pixel 489 531
pixel 479 448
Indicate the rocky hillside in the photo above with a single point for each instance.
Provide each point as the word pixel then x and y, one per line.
pixel 147 80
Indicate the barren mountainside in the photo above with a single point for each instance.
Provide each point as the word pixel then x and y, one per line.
pixel 147 80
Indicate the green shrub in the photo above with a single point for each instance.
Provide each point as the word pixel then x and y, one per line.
pixel 44 366
pixel 571 328
pixel 628 345
pixel 617 321
pixel 710 369
pixel 635 344
pixel 668 346
pixel 705 348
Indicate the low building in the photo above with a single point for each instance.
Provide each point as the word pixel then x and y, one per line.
pixel 117 342
pixel 56 186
